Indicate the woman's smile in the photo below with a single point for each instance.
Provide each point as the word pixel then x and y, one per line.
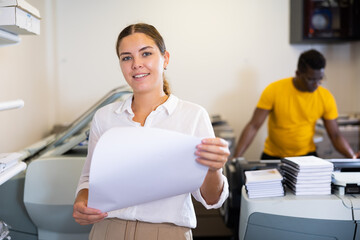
pixel 141 76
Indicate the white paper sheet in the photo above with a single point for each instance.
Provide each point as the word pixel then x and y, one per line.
pixel 134 165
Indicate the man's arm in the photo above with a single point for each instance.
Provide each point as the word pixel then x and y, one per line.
pixel 250 131
pixel 338 141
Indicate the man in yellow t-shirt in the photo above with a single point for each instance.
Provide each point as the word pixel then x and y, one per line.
pixel 294 105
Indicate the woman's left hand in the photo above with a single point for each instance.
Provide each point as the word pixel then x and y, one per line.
pixel 212 152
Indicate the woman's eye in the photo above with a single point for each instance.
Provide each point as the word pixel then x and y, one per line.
pixel 145 54
pixel 126 58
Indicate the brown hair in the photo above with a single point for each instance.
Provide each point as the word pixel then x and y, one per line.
pixel 151 32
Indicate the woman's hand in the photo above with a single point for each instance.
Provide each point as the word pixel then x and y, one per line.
pixel 213 152
pixel 84 215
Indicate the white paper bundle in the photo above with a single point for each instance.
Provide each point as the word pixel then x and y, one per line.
pixel 307 175
pixel 264 183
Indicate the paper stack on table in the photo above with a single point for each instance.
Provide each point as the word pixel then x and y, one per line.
pixel 307 175
pixel 264 183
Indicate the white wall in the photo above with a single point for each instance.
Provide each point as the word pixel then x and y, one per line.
pixel 223 53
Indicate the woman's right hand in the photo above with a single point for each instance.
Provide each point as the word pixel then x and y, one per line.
pixel 84 215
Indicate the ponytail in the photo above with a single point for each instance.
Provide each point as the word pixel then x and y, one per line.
pixel 166 87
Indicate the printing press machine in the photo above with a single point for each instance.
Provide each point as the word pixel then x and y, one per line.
pixel 335 216
pixel 349 126
pixel 234 171
pixel 37 203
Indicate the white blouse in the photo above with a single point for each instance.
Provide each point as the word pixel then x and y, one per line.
pixel 175 115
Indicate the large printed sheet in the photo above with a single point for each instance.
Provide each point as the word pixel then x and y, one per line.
pixel 135 165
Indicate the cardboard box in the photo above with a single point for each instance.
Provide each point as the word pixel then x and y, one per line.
pixel 18 21
pixel 21 4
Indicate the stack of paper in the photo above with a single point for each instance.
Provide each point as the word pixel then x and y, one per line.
pixel 264 183
pixel 307 175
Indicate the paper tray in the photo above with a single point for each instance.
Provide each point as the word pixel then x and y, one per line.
pixel 345 178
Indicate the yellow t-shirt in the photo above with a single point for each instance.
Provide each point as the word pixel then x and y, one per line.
pixel 293 115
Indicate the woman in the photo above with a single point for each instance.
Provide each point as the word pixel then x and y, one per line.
pixel 143 59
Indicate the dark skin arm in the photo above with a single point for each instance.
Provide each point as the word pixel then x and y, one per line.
pixel 338 141
pixel 250 130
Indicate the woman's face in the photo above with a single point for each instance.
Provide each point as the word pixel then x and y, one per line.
pixel 142 63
